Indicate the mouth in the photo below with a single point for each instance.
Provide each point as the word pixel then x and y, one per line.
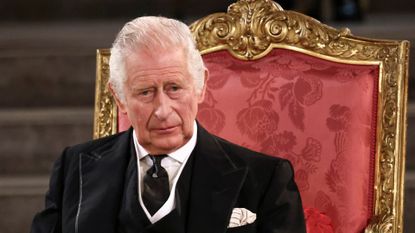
pixel 165 130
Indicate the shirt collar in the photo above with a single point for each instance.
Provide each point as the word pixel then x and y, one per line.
pixel 180 154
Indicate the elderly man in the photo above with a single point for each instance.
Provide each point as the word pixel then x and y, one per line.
pixel 167 173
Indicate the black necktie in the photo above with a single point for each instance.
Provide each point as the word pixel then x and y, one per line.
pixel 155 185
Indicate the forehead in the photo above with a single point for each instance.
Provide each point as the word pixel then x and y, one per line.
pixel 156 64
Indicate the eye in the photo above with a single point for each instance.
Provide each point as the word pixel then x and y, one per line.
pixel 175 88
pixel 145 94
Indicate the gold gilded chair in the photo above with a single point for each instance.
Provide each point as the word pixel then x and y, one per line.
pixel 287 85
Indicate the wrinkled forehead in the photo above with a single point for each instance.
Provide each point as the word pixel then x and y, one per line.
pixel 157 64
pixel 156 57
pixel 154 48
pixel 143 54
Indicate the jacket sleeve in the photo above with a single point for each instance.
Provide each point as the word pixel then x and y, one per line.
pixel 49 219
pixel 281 209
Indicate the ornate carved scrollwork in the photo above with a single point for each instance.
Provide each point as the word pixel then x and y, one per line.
pixel 251 28
pixel 380 224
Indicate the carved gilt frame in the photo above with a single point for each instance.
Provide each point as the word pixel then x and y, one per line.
pixel 252 28
pixel 105 114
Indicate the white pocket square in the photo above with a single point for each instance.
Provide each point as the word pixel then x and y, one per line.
pixel 241 217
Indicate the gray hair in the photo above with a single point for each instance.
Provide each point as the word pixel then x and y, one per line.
pixel 150 33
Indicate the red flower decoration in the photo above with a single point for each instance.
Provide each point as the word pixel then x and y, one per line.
pixel 340 117
pixel 312 150
pixel 278 143
pixel 285 141
pixel 317 222
pixel 212 118
pixel 301 178
pixel 258 120
pixel 308 90
pixel 305 91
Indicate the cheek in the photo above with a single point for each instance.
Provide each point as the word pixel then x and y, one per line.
pixel 138 114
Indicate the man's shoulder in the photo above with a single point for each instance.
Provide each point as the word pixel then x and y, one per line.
pixel 100 144
pixel 248 156
pixel 261 167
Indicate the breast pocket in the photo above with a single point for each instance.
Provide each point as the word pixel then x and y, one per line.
pixel 249 228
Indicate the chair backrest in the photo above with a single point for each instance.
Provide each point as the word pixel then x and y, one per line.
pixel 287 85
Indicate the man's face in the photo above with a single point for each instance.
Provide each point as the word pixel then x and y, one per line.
pixel 160 99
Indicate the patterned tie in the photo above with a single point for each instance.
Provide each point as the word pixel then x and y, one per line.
pixel 155 185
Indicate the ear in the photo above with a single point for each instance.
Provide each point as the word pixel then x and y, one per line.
pixel 203 91
pixel 121 105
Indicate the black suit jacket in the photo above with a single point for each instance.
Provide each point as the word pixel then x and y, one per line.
pixel 87 183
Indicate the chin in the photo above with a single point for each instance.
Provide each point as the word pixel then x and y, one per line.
pixel 168 147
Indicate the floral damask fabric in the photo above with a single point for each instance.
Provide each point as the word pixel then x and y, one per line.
pixel 320 115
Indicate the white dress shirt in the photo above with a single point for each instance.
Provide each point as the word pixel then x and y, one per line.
pixel 173 163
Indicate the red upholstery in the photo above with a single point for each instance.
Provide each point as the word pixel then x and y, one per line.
pixel 320 115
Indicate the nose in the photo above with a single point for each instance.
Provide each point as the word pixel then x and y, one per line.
pixel 162 106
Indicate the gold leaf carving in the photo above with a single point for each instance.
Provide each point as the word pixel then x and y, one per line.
pixel 105 122
pixel 382 224
pixel 251 27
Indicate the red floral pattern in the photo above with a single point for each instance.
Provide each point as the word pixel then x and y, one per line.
pixel 307 90
pixel 301 178
pixel 258 121
pixel 304 91
pixel 209 115
pixel 316 113
pixel 340 118
pixel 312 150
pixel 279 143
pixel 213 117
pixel 304 162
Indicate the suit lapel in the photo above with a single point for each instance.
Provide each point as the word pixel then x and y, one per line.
pixel 132 218
pixel 215 186
pixel 183 189
pixel 101 182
